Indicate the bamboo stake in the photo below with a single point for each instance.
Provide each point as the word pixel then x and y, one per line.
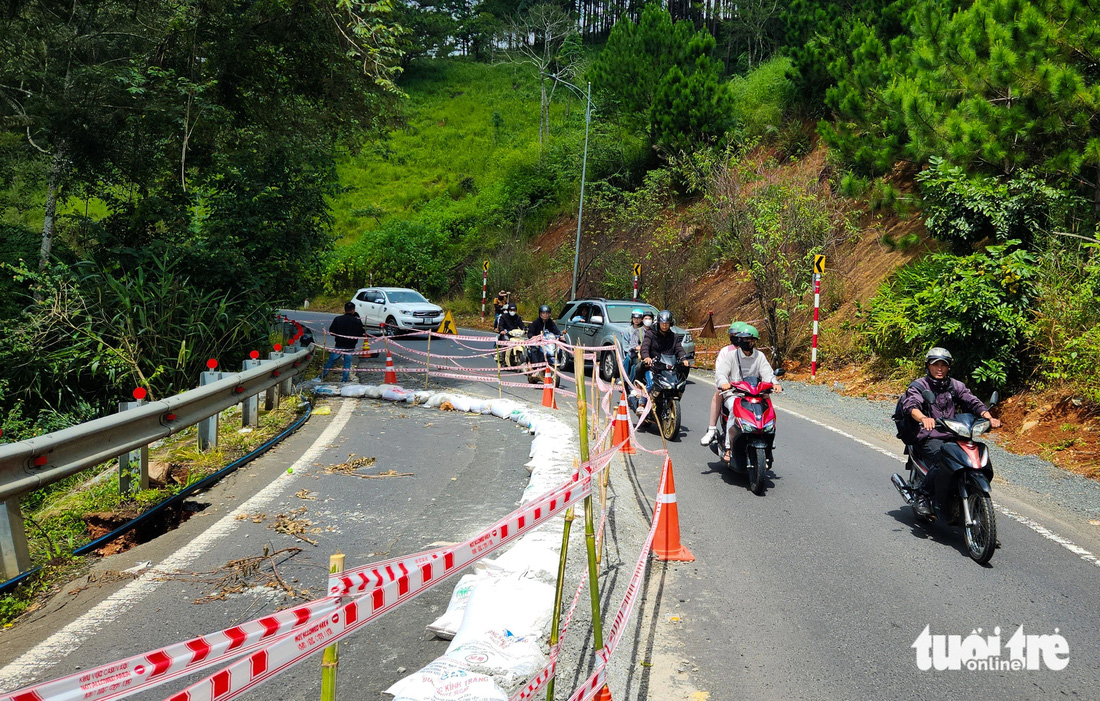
pixel 331 658
pixel 558 593
pixel 589 528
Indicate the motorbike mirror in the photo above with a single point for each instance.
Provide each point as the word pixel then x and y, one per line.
pixel 780 372
pixel 928 396
pixel 994 398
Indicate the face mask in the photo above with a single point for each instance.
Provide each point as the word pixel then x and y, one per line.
pixel 511 313
pixel 647 323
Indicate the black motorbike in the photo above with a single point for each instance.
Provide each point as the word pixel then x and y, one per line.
pixel 962 489
pixel 546 353
pixel 669 380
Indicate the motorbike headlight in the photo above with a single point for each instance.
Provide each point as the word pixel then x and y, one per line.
pixel 770 426
pixel 957 427
pixel 747 426
pixel 980 426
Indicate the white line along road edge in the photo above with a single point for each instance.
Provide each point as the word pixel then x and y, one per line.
pixel 22 671
pixel 1038 528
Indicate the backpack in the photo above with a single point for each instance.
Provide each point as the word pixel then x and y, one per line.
pixel 908 429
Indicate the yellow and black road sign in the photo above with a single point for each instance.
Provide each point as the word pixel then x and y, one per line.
pixel 637 269
pixel 485 266
pixel 448 325
pixel 819 264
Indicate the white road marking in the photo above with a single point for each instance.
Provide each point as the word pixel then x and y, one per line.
pixel 1050 535
pixel 50 651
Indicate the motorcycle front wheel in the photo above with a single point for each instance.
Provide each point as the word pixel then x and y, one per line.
pixel 758 469
pixel 670 420
pixel 981 538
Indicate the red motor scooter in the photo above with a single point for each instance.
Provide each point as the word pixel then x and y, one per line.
pixel 753 429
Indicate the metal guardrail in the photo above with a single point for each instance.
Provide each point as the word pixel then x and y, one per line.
pixel 36 462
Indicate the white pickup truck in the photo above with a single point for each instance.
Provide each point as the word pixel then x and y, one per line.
pixel 396 309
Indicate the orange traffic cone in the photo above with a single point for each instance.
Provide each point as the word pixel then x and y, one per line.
pixel 390 378
pixel 548 390
pixel 620 432
pixel 603 694
pixel 666 541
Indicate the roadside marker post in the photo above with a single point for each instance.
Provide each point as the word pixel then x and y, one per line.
pixel 484 283
pixel 819 269
pixel 250 406
pixel 637 274
pixel 138 458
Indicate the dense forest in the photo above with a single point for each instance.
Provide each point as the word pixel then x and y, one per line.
pixel 171 171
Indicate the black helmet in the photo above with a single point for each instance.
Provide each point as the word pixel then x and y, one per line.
pixel 938 353
pixel 665 317
pixel 512 307
pixel 544 308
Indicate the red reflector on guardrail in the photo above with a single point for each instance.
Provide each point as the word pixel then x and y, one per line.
pixel 40 461
pixel 169 417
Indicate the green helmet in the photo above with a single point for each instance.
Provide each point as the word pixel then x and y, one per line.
pixel 750 331
pixel 736 328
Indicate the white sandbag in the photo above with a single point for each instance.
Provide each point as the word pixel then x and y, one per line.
pixel 395 394
pixel 353 391
pixel 437 399
pixel 534 555
pixel 447 625
pixel 423 396
pixel 374 391
pixel 446 679
pixel 502 408
pixel 474 406
pixel 508 658
pixel 460 402
pixel 517 604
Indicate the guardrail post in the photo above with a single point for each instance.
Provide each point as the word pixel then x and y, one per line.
pixel 250 407
pixel 284 386
pixel 127 461
pixel 15 556
pixel 208 427
pixel 274 397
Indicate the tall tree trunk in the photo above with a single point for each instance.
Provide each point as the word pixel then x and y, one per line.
pixel 53 184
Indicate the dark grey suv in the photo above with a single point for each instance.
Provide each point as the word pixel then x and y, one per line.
pixel 598 322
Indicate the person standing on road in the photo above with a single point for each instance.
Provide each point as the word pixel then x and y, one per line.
pixel 500 305
pixel 346 329
pixel 950 394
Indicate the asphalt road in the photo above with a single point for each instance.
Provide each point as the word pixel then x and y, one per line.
pixel 467 471
pixel 816 590
pixel 820 588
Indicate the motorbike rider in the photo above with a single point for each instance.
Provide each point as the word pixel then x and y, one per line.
pixel 661 340
pixel 950 394
pixel 633 344
pixel 736 365
pixel 509 320
pixel 735 328
pixel 543 323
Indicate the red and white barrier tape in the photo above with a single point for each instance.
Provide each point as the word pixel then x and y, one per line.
pixel 383 594
pixel 147 670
